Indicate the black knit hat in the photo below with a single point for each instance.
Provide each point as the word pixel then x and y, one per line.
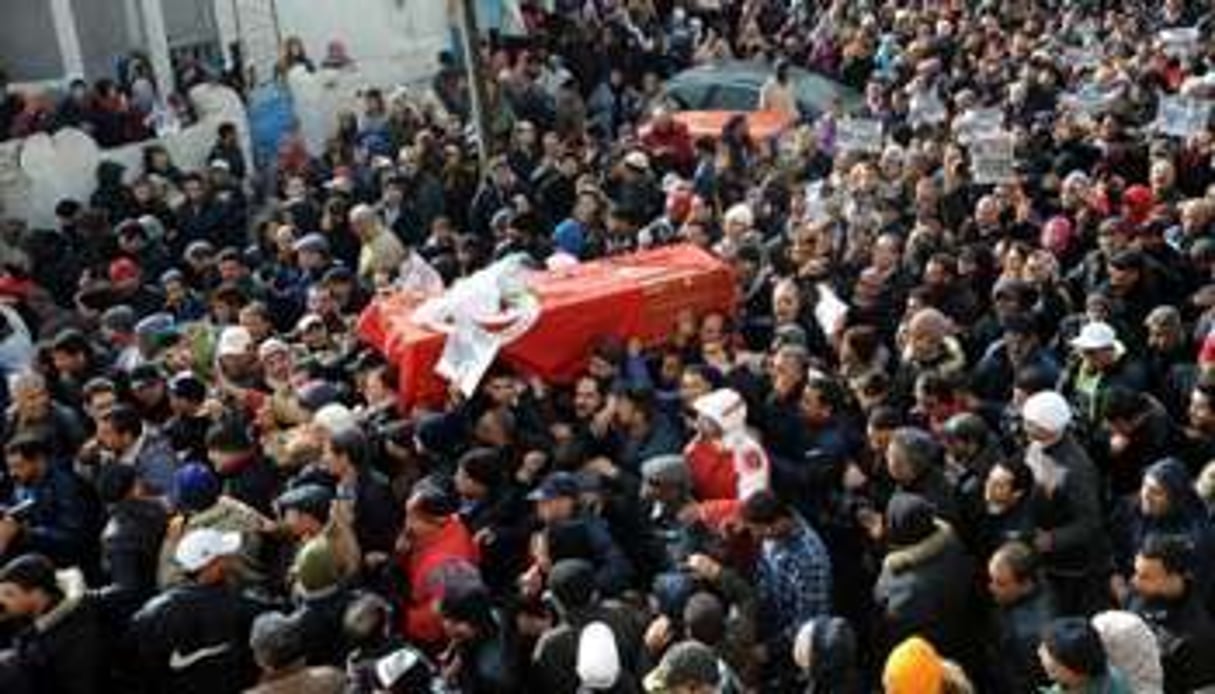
pixel 910 518
pixel 572 583
pixel 468 602
pixel 483 466
pixel 30 571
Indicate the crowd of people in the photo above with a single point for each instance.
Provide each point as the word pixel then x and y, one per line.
pixel 956 436
pixel 114 112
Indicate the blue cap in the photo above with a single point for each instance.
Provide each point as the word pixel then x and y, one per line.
pixel 195 487
pixel 314 242
pixel 156 325
pixel 555 486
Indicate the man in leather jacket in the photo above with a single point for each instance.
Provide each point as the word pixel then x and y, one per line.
pixel 195 636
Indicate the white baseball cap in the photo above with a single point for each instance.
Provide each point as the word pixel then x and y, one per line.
pixel 202 546
pixel 1095 335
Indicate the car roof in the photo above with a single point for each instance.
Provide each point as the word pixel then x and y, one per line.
pixel 810 86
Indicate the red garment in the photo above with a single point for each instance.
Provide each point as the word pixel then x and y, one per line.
pixel 712 470
pixel 673 142
pixel 430 561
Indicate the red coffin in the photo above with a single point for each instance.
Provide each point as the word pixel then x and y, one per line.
pixel 637 295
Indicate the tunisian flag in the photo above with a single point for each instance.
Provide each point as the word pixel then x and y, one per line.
pixel 636 295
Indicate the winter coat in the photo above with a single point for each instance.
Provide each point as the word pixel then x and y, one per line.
pixel 63 521
pixel 194 639
pixel 430 562
pixel 1186 635
pixel 926 589
pixel 1019 628
pixel 1070 509
pixel 130 544
pixel 61 652
pixel 555 658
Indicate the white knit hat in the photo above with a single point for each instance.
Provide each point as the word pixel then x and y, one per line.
pixel 1047 410
pixel 598 660
pixel 1132 649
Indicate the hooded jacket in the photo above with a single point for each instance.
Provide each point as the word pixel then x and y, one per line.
pixel 1132 649
pixel 925 586
pixel 61 651
pixel 734 465
pixel 1186 517
pixel 1186 635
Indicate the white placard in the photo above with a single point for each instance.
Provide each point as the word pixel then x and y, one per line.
pixel 926 108
pixel 816 202
pixel 859 135
pixel 977 123
pixel 992 158
pixel 1182 117
pixel 1087 100
pixel 1181 42
pixel 830 311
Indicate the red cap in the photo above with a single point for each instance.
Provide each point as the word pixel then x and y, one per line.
pixel 123 270
pixel 1137 203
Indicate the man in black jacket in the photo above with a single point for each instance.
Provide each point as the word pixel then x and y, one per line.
pixel 1069 535
pixel 1165 598
pixel 576 603
pixel 195 636
pixel 50 511
pixel 130 540
pixel 377 516
pixel 1024 608
pixel 482 653
pixel 60 649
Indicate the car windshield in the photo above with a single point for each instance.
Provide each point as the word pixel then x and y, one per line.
pixel 735 97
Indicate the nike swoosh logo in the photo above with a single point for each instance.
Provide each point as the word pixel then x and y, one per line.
pixel 177 661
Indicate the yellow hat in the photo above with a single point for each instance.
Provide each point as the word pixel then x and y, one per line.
pixel 913 667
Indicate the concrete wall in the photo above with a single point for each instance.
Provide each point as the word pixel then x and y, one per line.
pixel 28 50
pixel 104 32
pixel 189 21
pixel 393 41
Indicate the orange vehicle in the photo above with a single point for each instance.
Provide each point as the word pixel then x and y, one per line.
pixel 706 96
pixel 763 125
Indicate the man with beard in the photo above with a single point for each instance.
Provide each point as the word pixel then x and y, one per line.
pixel 1020 348
pixel 1198 445
pixel 1166 599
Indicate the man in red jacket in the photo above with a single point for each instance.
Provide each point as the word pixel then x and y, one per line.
pixel 669 141
pixel 436 550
